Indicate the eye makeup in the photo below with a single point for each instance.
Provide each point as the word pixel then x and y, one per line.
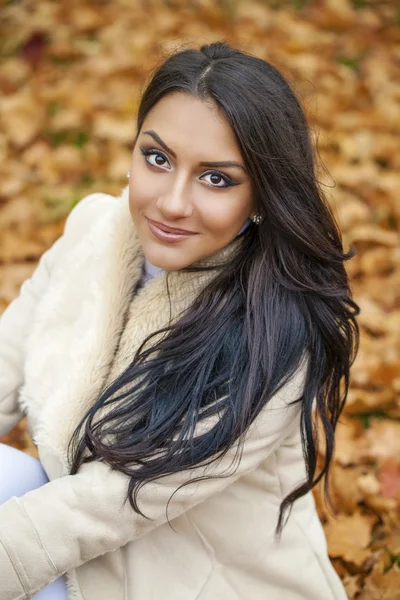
pixel 229 182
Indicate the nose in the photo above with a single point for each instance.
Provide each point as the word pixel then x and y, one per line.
pixel 175 203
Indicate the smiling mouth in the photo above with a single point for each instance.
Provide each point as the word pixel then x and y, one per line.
pixel 168 229
pixel 168 236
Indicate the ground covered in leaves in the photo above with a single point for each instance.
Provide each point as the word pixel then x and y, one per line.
pixel 70 78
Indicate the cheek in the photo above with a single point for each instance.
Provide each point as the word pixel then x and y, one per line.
pixel 138 199
pixel 225 214
pixel 140 190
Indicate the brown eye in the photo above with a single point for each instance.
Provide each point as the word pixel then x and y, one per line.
pixel 159 160
pixel 217 180
pixel 154 158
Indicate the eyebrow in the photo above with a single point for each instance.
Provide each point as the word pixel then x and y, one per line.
pixel 225 163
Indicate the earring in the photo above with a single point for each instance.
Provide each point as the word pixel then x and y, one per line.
pixel 257 219
pixel 128 174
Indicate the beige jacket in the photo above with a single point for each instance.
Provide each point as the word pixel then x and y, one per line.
pixel 60 342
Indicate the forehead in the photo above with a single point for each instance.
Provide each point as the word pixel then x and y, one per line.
pixel 191 126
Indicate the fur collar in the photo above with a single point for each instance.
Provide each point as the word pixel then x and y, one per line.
pixel 76 344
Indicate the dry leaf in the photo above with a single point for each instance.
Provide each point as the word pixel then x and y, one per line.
pixel 70 81
pixel 348 537
pixel 389 477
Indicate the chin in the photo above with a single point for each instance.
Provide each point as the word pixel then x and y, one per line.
pixel 157 257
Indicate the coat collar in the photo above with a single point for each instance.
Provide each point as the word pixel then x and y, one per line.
pixel 89 322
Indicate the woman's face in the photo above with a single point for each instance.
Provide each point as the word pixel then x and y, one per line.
pixel 173 184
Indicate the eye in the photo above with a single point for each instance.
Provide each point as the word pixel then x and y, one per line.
pixel 154 158
pixel 218 180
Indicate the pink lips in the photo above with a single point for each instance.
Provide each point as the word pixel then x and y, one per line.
pixel 172 236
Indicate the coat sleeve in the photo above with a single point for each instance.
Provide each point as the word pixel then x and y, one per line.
pixel 16 319
pixel 76 518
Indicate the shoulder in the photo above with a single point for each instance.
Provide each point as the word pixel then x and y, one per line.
pixel 88 209
pixel 94 211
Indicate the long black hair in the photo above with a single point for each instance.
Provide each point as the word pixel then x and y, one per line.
pixel 284 292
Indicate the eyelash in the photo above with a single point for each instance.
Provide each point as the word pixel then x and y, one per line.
pixel 228 181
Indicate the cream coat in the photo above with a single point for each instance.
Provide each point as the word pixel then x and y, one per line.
pixel 60 342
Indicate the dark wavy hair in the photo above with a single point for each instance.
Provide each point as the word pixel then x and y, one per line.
pixel 284 292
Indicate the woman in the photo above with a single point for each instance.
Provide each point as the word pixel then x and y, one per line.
pixel 169 351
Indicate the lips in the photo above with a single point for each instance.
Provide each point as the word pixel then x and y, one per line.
pixel 168 229
pixel 169 237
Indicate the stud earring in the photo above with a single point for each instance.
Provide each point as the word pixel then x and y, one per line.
pixel 128 174
pixel 257 219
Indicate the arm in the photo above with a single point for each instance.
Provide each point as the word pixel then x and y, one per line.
pixel 76 518
pixel 16 319
pixel 14 328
